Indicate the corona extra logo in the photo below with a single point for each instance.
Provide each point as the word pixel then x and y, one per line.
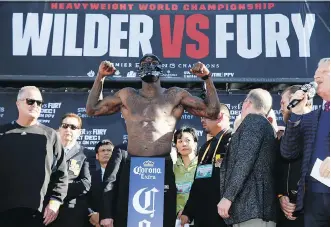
pixel 148 163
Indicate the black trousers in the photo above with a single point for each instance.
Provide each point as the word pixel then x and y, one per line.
pixel 169 216
pixel 284 222
pixel 317 209
pixel 21 217
pixel 71 217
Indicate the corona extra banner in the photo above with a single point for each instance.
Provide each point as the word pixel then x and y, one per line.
pixel 146 192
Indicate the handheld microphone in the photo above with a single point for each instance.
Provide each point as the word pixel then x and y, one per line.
pixel 310 89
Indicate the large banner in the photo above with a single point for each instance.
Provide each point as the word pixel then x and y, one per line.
pixel 146 192
pixel 239 42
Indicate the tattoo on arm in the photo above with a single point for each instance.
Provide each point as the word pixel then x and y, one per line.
pixel 209 107
pixel 97 105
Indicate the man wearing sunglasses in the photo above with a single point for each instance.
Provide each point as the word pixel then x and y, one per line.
pixel 30 156
pixel 73 212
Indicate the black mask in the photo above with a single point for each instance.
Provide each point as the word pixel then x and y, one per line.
pixel 150 68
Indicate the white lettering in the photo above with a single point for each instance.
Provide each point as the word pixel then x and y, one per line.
pixel 90 34
pixel 137 38
pixel 116 35
pixel 242 36
pixel 221 35
pixel 274 38
pixel 58 35
pixel 144 223
pixel 55 105
pixel 39 39
pixel 142 170
pixel 101 132
pixel 304 32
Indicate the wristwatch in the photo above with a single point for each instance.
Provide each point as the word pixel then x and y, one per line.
pixel 206 76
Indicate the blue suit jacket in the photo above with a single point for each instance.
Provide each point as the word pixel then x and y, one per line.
pixel 299 139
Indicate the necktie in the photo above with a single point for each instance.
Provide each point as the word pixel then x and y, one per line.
pixel 327 106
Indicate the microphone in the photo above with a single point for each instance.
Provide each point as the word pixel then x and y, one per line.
pixel 310 89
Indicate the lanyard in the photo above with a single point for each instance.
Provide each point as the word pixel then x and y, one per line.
pixel 207 149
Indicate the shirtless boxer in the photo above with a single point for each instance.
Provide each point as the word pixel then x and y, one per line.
pixel 151 113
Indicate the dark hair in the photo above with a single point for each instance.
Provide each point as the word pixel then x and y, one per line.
pixel 294 88
pixel 73 115
pixel 101 143
pixel 179 133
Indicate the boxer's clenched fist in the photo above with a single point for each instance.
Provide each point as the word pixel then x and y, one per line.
pixel 199 69
pixel 106 68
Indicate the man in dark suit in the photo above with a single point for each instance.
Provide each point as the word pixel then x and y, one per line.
pixel 73 212
pixel 247 172
pixel 309 135
pixel 288 171
pixel 115 187
pixel 205 192
pixel 103 152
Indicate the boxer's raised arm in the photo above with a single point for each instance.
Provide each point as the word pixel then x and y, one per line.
pixel 210 106
pixel 97 105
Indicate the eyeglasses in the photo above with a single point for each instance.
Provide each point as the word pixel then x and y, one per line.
pixel 31 102
pixel 72 127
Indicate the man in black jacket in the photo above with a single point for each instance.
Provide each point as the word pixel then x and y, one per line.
pixel 289 171
pixel 103 152
pixel 205 192
pixel 114 185
pixel 30 155
pixel 247 172
pixel 73 212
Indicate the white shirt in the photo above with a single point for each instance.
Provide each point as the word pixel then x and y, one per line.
pixel 102 173
pixel 323 104
pixel 68 148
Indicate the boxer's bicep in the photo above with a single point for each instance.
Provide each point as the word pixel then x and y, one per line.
pixel 194 105
pixel 108 105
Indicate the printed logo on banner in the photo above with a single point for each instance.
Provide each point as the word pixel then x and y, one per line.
pixel 223 74
pixel 187 116
pixel 117 73
pixel 2 112
pixel 169 74
pixel 146 192
pixel 199 132
pixel 90 137
pixel 188 74
pixel 82 112
pixel 235 110
pixel 48 112
pixel 91 73
pixel 131 74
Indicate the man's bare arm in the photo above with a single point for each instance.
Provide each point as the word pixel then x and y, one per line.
pixel 210 107
pixel 97 105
